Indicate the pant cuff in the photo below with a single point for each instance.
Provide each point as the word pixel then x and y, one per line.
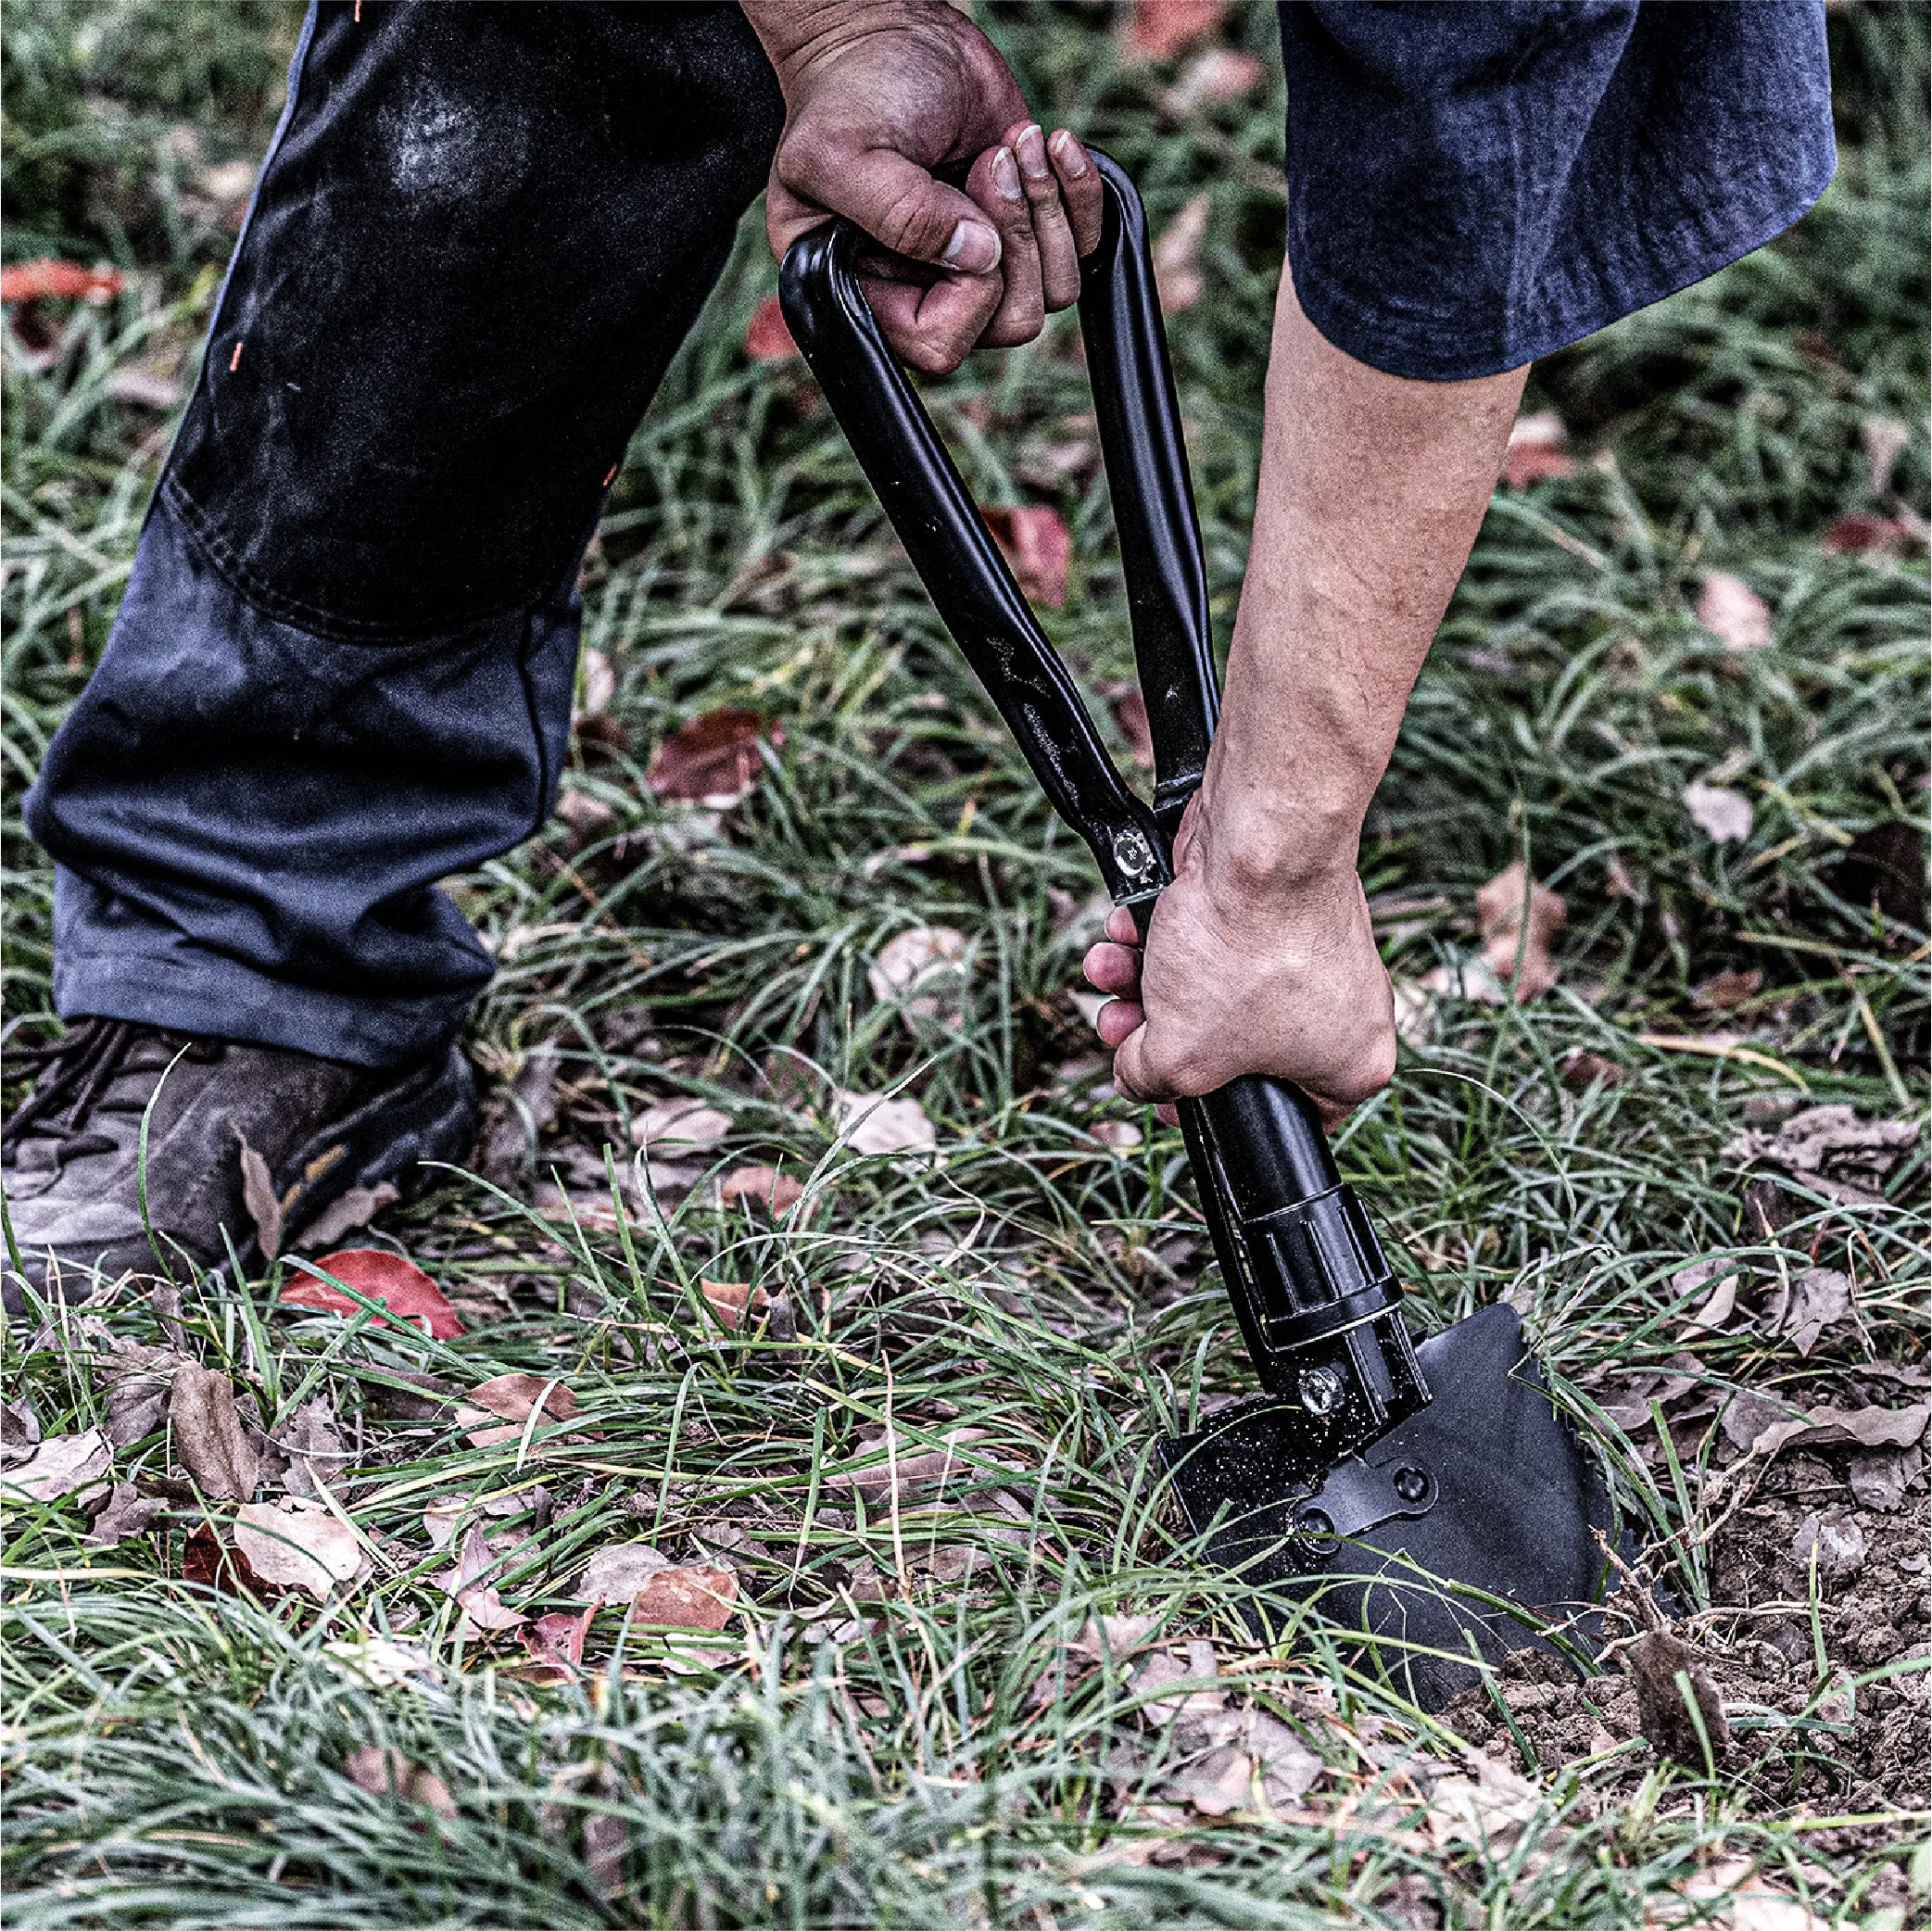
pixel 214 996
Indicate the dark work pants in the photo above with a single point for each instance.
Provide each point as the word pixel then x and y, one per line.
pixel 344 664
pixel 343 667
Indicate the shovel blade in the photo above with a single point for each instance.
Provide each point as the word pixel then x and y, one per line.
pixel 1481 1501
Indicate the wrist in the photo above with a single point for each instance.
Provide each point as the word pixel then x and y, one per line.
pixel 1273 841
pixel 797 34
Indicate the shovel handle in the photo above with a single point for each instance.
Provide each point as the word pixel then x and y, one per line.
pixel 1314 1293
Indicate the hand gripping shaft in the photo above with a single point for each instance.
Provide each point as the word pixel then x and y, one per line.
pixel 1317 1305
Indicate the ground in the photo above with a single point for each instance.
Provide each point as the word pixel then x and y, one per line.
pixel 890 1435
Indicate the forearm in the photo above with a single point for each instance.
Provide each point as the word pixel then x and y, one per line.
pixel 1371 491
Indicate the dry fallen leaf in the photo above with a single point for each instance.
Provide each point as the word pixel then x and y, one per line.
pixel 1487 1810
pixel 59 1466
pixel 1863 534
pixel 902 1472
pixel 352 1209
pixel 514 1397
pixel 1500 917
pixel 296 1543
pixel 1733 613
pixel 312 1443
pixel 1803 1308
pixel 696 1596
pixel 923 971
pixel 1038 549
pixel 1879 1480
pixel 734 1303
pixel 479 1600
pixel 1833 1539
pixel 259 1197
pixel 870 1123
pixel 1535 450
pixel 397 1284
pixel 1886 439
pixel 714 760
pixel 390 1774
pixel 1726 992
pixel 1215 75
pixel 597 682
pixel 1722 814
pixel 1129 705
pixel 127 1513
pixel 20 1432
pixel 682 1125
pixel 1654 1663
pixel 767 339
pixel 615 1573
pixel 1831 1150
pixel 1177 252
pixel 556 1644
pixel 59 281
pixel 209 1437
pixel 765 1187
pixel 1157 30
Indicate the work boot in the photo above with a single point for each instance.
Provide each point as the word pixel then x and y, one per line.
pixel 262 1144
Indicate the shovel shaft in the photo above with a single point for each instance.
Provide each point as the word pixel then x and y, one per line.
pixel 1311 1285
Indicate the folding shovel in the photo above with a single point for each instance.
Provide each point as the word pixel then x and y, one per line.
pixel 1429 1498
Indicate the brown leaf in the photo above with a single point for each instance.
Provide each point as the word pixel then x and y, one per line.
pixel 259 1197
pixel 1833 1539
pixel 296 1543
pixel 1886 440
pixel 20 1432
pixel 1581 1068
pixel 353 1208
pixel 1037 550
pixel 714 760
pixel 515 1398
pixel 1157 30
pixel 1500 918
pixel 209 1437
pixel 923 971
pixel 1177 252
pixel 1733 613
pixel 1879 1480
pixel 906 1472
pixel 1536 451
pixel 1722 814
pixel 60 1465
pixel 478 1600
pixel 1726 992
pixel 397 1284
pixel 389 1773
pixel 765 1187
pixel 313 1445
pixel 607 1837
pixel 734 1303
pixel 698 1597
pixel 556 1641
pixel 1803 1308
pixel 127 1513
pixel 767 338
pixel 1488 1810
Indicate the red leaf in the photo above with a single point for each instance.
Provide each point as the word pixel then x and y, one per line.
pixel 1852 535
pixel 25 280
pixel 1036 545
pixel 558 1638
pixel 400 1285
pixel 1157 30
pixel 712 760
pixel 767 339
pixel 762 1186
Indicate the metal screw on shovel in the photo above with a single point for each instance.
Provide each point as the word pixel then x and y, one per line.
pixel 1322 1389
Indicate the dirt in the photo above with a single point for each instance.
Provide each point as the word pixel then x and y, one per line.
pixel 1826 1739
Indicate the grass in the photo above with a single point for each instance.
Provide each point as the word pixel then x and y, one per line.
pixel 895 1729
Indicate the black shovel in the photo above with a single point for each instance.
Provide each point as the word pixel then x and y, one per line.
pixel 1429 1498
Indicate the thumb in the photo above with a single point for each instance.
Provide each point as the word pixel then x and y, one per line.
pixel 893 199
pixel 1133 1078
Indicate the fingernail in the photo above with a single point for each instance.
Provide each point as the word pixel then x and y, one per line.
pixel 1071 155
pixel 1006 176
pixel 974 249
pixel 1033 153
